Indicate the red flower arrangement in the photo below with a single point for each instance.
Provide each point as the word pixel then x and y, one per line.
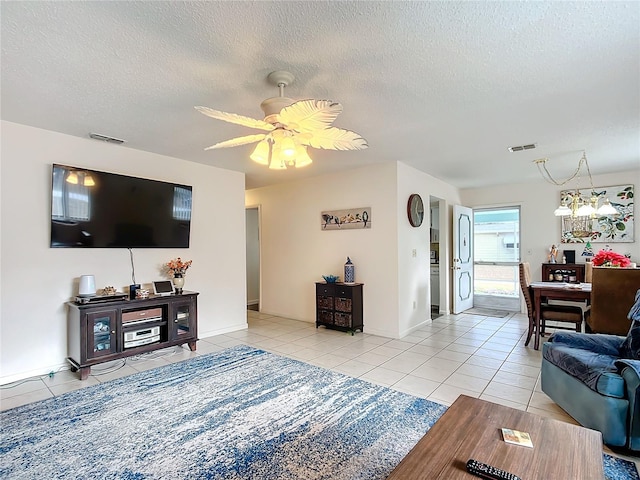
pixel 178 267
pixel 610 259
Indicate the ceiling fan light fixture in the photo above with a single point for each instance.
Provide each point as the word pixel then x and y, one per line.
pixel 260 154
pixel 277 164
pixel 302 157
pixel 287 147
pixel 292 126
pixel 273 106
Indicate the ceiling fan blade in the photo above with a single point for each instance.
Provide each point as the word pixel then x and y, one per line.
pixel 310 115
pixel 334 138
pixel 235 142
pixel 237 119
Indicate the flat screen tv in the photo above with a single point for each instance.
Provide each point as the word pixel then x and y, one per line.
pixel 91 209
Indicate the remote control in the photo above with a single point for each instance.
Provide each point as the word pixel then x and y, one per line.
pixel 488 472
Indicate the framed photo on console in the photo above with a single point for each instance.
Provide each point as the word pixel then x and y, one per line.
pixel 163 287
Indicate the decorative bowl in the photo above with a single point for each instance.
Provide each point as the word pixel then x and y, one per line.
pixel 331 278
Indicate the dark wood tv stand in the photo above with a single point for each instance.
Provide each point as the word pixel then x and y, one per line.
pixel 97 333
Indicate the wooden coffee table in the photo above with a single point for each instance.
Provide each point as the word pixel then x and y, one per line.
pixel 471 428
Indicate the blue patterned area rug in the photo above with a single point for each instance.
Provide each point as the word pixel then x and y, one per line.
pixel 238 414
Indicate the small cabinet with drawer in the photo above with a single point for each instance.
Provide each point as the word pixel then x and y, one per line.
pixel 339 306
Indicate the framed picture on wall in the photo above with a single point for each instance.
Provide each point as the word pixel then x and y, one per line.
pixel 606 228
pixel 350 218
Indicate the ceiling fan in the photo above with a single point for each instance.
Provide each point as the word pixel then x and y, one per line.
pixel 292 127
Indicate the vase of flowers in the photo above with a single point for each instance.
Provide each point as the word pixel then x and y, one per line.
pixel 607 258
pixel 177 270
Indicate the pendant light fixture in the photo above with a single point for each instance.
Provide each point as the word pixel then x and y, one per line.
pixel 579 210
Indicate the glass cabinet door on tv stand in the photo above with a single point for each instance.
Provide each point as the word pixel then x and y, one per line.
pixel 101 333
pixel 183 315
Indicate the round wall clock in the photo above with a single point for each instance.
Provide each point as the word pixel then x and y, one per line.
pixel 415 210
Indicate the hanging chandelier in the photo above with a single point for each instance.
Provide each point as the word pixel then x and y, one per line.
pixel 578 211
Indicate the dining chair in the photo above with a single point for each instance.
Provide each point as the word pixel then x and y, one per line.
pixel 548 312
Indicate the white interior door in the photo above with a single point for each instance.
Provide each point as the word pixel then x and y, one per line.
pixel 462 264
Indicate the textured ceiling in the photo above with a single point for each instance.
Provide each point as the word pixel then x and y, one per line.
pixel 443 86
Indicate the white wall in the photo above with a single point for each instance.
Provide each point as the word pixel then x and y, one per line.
pixel 449 196
pixel 414 279
pixel 539 227
pixel 37 280
pixel 296 252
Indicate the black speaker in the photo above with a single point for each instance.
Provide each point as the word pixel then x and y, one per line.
pixel 570 255
pixel 132 290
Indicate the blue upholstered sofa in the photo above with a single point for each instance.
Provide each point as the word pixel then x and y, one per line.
pixel 595 378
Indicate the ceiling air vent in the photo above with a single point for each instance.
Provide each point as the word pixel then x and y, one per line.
pixel 520 148
pixel 104 138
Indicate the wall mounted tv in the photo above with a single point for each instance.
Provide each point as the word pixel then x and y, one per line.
pixel 91 209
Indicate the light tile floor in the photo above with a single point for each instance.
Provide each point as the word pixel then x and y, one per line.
pixel 479 356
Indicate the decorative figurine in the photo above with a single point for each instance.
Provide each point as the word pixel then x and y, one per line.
pixel 109 290
pixel 142 293
pixel 349 272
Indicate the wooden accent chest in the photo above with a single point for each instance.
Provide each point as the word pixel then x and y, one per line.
pixel 339 306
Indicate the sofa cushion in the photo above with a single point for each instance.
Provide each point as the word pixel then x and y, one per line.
pixel 597 342
pixel 596 370
pixel 630 348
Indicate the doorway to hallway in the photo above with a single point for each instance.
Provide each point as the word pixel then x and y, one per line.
pixel 252 218
pixel 437 212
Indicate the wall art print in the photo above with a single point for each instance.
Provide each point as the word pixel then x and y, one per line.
pixel 610 228
pixel 346 219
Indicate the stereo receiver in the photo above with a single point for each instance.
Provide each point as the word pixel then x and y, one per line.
pixel 144 336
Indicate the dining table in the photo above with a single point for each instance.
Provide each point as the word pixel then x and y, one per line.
pixel 544 291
